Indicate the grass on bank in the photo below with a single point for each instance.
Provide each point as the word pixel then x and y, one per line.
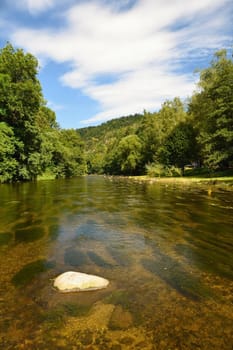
pixel 46 176
pixel 187 179
pixel 207 173
pixel 198 176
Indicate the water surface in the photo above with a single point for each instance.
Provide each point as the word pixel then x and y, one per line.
pixel 166 249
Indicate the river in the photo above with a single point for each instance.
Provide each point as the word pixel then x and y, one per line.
pixel 165 248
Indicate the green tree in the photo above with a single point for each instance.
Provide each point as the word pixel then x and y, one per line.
pixel 170 115
pixel 101 143
pixel 156 127
pixel 31 140
pixel 212 109
pixel 9 147
pixel 149 136
pixel 67 154
pixel 20 101
pixel 180 147
pixel 48 130
pixel 46 119
pixel 126 158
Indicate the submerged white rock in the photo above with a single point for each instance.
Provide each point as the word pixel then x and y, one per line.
pixel 76 281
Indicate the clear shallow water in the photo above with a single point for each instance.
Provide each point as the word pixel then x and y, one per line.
pixel 166 249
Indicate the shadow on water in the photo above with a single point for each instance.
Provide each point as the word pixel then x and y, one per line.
pixel 175 274
pixel 29 234
pixel 54 232
pixel 91 230
pixel 75 257
pixel 176 277
pixel 216 261
pixel 98 260
pixel 120 256
pixel 31 271
pixel 5 238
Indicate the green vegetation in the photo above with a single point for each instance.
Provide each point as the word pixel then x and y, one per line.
pixel 212 111
pixel 198 132
pixel 31 141
pixel 102 144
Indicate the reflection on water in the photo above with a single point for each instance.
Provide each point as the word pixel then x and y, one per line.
pixel 166 249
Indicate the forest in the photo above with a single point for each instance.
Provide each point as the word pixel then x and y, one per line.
pixel 197 132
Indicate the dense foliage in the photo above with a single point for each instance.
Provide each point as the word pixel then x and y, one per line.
pixel 30 139
pixel 132 145
pixel 160 143
pixel 212 109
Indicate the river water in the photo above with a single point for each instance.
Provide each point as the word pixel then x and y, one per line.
pixel 166 250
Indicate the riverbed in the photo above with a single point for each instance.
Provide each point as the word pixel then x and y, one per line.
pixel 165 248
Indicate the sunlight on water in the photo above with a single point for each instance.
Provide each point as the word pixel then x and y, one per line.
pixel 166 250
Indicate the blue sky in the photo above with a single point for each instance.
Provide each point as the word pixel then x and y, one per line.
pixel 102 59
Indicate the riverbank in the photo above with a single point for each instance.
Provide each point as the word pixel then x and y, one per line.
pixel 225 182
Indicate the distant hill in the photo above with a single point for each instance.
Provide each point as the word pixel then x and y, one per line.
pixel 99 139
pixel 131 121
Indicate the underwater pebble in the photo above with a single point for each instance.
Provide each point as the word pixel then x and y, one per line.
pixel 72 281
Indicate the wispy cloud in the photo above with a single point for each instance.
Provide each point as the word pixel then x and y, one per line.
pixel 36 6
pixel 143 46
pixel 55 106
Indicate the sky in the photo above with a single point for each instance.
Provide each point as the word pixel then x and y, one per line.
pixel 103 59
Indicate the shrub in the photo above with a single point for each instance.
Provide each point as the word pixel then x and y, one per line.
pixel 157 170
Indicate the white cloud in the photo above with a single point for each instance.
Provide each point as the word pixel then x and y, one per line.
pixel 135 91
pixel 142 46
pixel 55 106
pixel 36 6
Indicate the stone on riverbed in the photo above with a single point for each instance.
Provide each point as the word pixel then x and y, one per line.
pixel 72 281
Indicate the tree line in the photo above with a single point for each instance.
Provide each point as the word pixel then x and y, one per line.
pixel 198 131
pixel 31 141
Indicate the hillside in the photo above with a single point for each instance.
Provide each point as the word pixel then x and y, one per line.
pixel 99 139
pixel 110 126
